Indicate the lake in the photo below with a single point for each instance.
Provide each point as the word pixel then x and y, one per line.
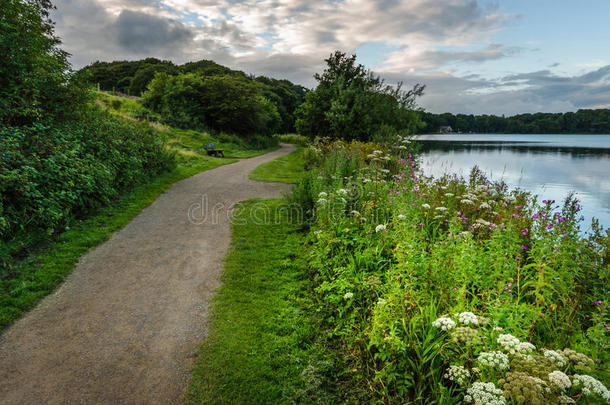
pixel 550 166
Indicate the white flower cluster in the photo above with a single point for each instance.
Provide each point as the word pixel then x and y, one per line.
pixel 482 222
pixel 556 358
pixel 497 360
pixel 470 196
pixel 401 216
pixel 459 374
pixel 318 232
pixel 348 295
pixel 441 209
pixel 322 201
pixel 444 323
pixel 425 206
pixel 591 386
pixel 526 348
pixel 484 394
pixel 467 201
pixel 510 199
pixel 484 206
pixel 509 343
pixel 322 195
pixel 342 191
pixel 468 318
pixel 380 228
pixel 560 380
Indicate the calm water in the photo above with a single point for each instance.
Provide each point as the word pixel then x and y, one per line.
pixel 550 166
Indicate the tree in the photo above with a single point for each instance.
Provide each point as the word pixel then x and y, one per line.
pixel 36 82
pixel 223 103
pixel 350 102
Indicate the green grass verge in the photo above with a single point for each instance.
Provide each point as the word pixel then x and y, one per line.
pixel 261 348
pixel 285 169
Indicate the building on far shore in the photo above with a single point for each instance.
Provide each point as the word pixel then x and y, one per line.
pixel 445 129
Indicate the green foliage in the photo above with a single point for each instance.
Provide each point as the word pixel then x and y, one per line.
pixel 126 76
pixel 352 103
pixel 392 250
pixel 35 80
pixel 262 345
pixel 223 103
pixel 580 122
pixel 51 174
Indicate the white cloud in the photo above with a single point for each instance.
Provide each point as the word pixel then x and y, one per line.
pixel 290 38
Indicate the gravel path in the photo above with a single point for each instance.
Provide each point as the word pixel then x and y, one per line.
pixel 125 325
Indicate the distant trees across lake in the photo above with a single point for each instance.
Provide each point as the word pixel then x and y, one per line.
pixel 581 121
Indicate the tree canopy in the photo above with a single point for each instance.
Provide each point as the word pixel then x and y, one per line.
pixel 223 103
pixel 350 102
pixel 35 77
pixel 133 77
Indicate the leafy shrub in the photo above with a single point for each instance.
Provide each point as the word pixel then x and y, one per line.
pixel 394 251
pixel 50 174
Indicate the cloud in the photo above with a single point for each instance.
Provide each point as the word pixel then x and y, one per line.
pixel 520 93
pixel 141 32
pixel 427 42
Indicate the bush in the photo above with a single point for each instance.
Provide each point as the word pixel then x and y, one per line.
pixel 49 175
pixel 417 275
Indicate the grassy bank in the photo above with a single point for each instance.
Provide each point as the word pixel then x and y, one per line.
pixel 261 348
pixel 47 263
pixel 286 169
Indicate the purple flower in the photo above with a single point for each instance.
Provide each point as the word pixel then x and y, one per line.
pixel 523 247
pixel 597 302
pixel 535 216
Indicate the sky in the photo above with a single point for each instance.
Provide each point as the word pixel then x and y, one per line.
pixel 474 56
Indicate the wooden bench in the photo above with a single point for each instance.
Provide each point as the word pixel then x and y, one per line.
pixel 212 151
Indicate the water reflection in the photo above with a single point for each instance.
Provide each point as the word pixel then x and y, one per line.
pixel 550 166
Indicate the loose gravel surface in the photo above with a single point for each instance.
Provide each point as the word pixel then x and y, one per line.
pixel 125 325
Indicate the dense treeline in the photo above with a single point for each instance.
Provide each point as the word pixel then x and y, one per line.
pixel 579 122
pixel 266 106
pixel 60 155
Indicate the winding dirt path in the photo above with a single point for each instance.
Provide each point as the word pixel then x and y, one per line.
pixel 125 325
